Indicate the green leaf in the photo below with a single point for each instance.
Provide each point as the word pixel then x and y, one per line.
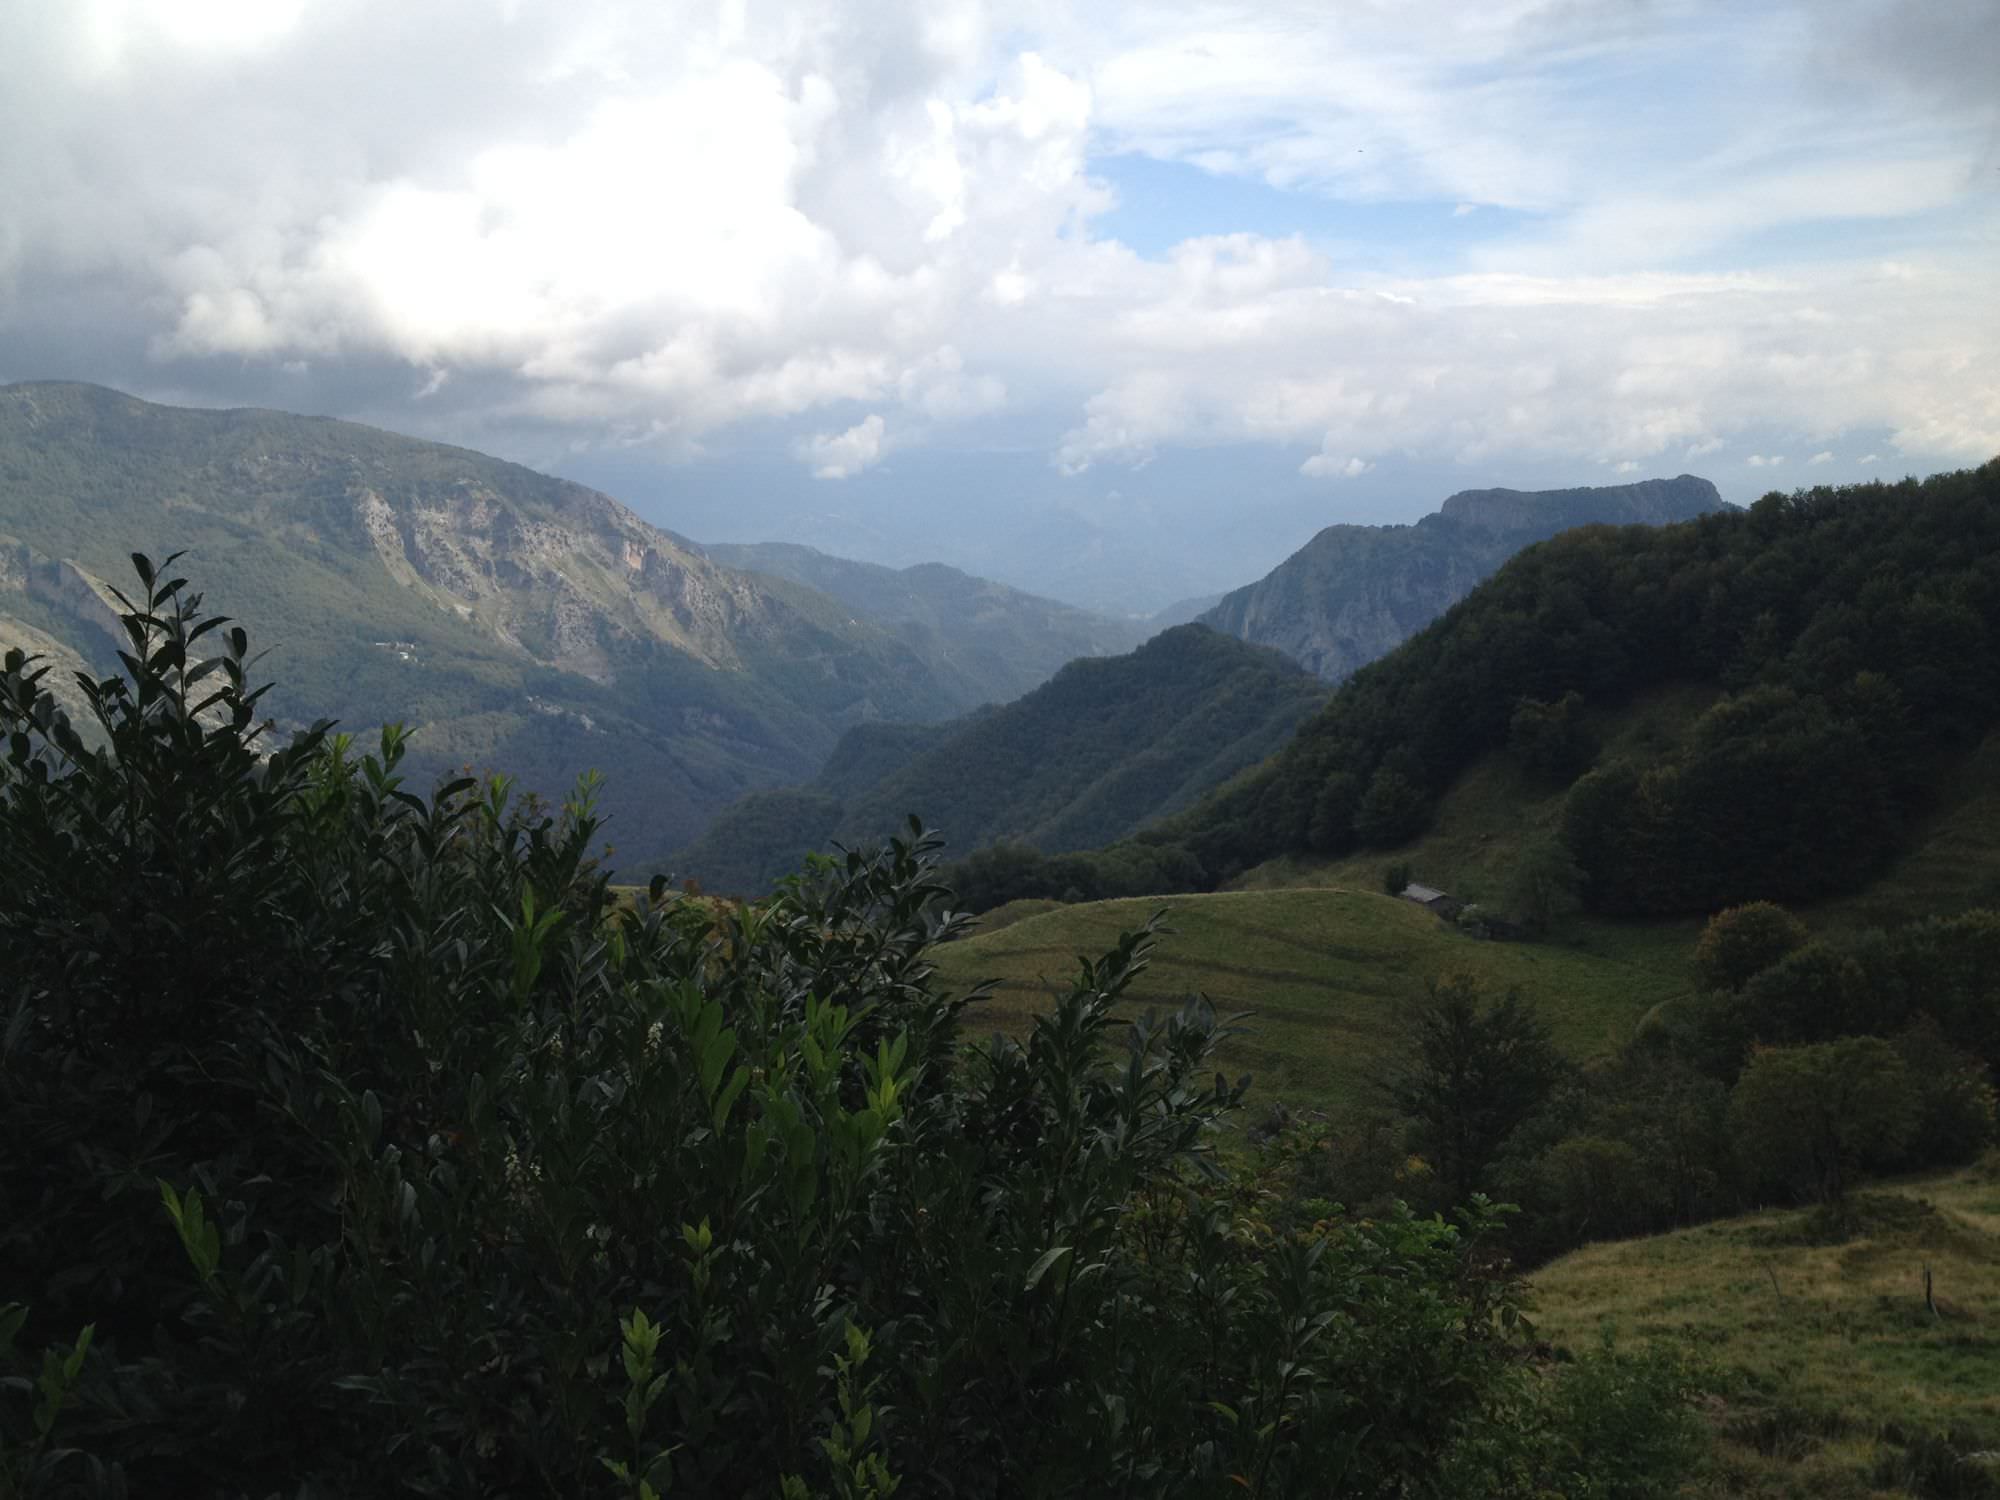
pixel 1041 1266
pixel 726 1099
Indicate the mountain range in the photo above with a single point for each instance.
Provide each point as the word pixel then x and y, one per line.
pixel 512 620
pixel 518 621
pixel 1041 772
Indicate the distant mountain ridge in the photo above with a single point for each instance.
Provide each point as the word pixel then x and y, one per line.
pixel 513 620
pixel 1354 593
pixel 1101 749
pixel 992 643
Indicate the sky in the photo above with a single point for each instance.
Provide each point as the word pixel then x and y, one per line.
pixel 1121 301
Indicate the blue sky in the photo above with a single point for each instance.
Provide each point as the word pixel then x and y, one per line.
pixel 964 279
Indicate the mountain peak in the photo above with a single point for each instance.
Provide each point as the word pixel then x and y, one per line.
pixel 1355 593
pixel 1647 502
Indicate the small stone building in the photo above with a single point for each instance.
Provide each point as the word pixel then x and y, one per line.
pixel 1432 899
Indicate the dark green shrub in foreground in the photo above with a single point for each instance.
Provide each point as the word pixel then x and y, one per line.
pixel 360 1143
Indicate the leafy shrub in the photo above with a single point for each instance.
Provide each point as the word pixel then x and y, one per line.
pixel 1954 1098
pixel 1807 1118
pixel 1743 941
pixel 379 1149
pixel 1473 1071
pixel 1623 1424
pixel 1546 884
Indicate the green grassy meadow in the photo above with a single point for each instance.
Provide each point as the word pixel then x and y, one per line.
pixel 1824 1360
pixel 1325 974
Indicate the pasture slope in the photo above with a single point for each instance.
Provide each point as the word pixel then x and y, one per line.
pixel 1326 976
pixel 1823 1363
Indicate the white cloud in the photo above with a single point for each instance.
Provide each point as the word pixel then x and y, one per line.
pixel 937 387
pixel 1760 461
pixel 644 224
pixel 1869 458
pixel 1627 466
pixel 842 455
pixel 1325 465
pixel 1824 456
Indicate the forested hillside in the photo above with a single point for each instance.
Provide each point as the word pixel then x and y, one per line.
pixel 1354 593
pixel 1849 633
pixel 508 618
pixel 1093 754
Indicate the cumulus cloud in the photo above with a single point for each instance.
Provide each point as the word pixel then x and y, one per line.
pixel 1761 461
pixel 625 224
pixel 1824 456
pixel 1325 465
pixel 842 455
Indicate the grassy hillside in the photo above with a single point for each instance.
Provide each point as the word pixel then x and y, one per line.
pixel 1825 1361
pixel 1101 749
pixel 1326 973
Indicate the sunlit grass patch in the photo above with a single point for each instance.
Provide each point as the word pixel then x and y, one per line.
pixel 1325 974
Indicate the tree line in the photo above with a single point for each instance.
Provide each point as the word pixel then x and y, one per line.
pixel 1798 1067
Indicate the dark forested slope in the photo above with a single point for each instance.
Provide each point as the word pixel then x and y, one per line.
pixel 1852 631
pixel 1100 749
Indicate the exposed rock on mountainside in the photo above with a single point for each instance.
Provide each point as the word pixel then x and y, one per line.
pixel 1354 593
pixel 510 618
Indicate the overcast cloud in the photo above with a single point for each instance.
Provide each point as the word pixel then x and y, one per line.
pixel 1520 237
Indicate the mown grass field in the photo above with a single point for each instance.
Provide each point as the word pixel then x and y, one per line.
pixel 1823 1358
pixel 1326 975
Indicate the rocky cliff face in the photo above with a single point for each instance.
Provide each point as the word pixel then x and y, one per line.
pixel 510 619
pixel 1354 593
pixel 566 585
